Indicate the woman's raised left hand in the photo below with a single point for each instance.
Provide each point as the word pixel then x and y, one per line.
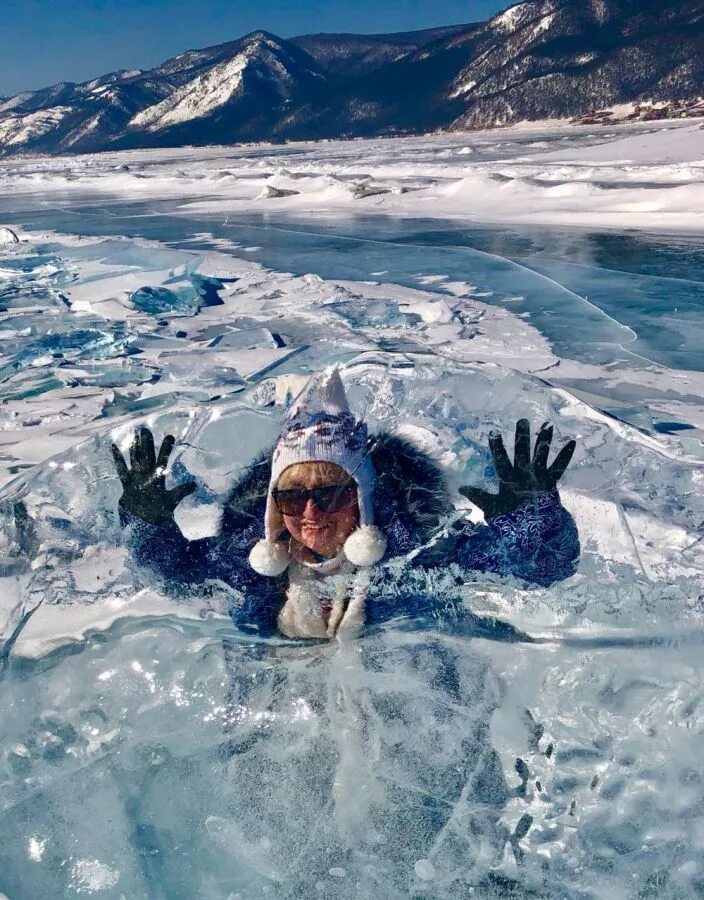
pixel 528 476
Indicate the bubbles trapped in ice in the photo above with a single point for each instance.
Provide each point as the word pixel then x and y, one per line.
pixel 35 848
pixel 424 869
pixel 91 876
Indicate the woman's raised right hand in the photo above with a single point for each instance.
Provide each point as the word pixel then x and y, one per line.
pixel 144 492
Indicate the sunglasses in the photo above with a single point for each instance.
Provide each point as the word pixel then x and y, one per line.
pixel 331 499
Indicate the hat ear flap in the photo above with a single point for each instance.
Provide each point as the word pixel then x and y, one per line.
pixel 270 558
pixel 366 546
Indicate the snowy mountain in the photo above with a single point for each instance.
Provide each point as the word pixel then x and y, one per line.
pixel 550 59
pixel 539 59
pixel 252 88
pixel 350 55
pixel 77 117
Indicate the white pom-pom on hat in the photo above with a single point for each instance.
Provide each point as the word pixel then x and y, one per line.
pixel 365 546
pixel 269 558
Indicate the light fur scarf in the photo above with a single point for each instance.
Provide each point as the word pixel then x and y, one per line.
pixel 312 585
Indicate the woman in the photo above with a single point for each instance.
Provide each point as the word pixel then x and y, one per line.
pixel 353 526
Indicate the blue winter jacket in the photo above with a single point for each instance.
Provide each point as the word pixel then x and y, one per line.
pixel 426 562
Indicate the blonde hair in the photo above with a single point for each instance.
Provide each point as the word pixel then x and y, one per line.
pixel 324 473
pixel 298 476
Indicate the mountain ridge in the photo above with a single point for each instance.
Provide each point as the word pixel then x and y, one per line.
pixel 538 59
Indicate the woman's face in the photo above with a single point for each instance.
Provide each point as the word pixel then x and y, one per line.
pixel 322 532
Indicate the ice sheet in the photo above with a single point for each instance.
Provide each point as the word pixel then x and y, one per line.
pixel 644 175
pixel 374 766
pixel 151 752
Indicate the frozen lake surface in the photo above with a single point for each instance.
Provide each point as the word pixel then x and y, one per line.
pixel 148 749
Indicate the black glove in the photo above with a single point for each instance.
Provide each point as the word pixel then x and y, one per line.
pixel 144 492
pixel 521 482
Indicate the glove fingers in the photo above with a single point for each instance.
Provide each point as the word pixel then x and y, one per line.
pixel 167 445
pixel 183 490
pixel 483 499
pixel 542 450
pixel 144 455
pixel 477 496
pixel 147 439
pixel 134 452
pixel 504 469
pixel 562 460
pixel 521 457
pixel 123 473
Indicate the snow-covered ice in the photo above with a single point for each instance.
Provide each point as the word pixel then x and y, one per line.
pixel 148 750
pixel 643 175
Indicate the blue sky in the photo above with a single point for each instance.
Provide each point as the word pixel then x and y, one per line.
pixel 45 41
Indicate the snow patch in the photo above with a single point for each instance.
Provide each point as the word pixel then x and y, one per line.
pixel 543 25
pixel 197 98
pixel 511 18
pixel 23 129
pixel 463 88
pixel 15 101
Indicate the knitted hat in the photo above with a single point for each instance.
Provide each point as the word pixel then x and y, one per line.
pixel 321 428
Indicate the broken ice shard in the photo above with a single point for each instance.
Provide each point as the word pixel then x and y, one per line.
pixel 89 343
pixel 158 301
pixel 248 339
pixel 186 300
pixel 373 313
pixel 8 236
pixel 208 289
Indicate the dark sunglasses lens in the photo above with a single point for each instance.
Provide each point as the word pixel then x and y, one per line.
pixel 337 499
pixel 291 503
pixel 328 499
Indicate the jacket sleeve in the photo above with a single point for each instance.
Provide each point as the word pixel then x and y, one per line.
pixel 179 563
pixel 165 552
pixel 537 542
